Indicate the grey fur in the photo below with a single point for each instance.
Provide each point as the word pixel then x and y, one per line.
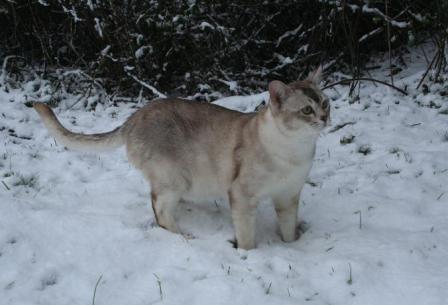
pixel 194 151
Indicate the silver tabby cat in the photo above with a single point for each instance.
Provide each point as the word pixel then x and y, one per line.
pixel 194 151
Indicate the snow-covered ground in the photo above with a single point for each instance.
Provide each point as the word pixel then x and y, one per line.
pixel 375 213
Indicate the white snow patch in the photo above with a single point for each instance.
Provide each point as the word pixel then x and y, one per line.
pixel 376 221
pixel 106 50
pixel 205 25
pixel 72 12
pixel 43 2
pixel 142 51
pixel 233 85
pixel 243 103
pixel 90 5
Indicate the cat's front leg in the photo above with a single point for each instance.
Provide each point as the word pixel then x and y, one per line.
pixel 244 211
pixel 287 208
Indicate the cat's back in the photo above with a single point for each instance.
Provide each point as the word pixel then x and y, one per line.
pixel 189 114
pixel 170 124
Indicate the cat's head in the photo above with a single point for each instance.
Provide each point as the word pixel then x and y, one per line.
pixel 300 103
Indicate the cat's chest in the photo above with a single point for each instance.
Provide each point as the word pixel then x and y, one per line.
pixel 287 179
pixel 282 177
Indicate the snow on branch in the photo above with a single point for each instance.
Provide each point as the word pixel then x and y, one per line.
pixel 147 86
pixel 370 10
pixel 371 33
pixel 289 33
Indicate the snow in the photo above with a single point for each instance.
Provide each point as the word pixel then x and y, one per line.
pixel 233 85
pixel 147 86
pixel 72 12
pixel 142 51
pixel 289 33
pixel 91 5
pixel 43 2
pixel 375 226
pixel 398 24
pixel 106 50
pixel 243 103
pixel 365 36
pixel 205 25
pixel 98 27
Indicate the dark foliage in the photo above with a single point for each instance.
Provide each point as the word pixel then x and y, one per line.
pixel 195 47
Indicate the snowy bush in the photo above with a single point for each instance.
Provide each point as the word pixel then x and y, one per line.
pixel 197 47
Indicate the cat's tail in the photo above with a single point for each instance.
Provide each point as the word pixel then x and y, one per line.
pixel 78 141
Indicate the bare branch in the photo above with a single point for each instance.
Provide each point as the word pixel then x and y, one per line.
pixel 365 79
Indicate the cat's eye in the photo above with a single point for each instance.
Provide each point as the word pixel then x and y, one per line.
pixel 307 110
pixel 325 104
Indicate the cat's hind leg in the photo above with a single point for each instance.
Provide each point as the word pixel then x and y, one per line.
pixel 167 187
pixel 164 205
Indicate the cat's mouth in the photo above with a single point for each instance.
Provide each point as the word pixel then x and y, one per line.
pixel 322 123
pixel 319 125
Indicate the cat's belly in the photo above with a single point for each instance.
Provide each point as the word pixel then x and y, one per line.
pixel 202 190
pixel 206 184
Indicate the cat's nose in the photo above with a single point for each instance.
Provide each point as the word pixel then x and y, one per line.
pixel 326 119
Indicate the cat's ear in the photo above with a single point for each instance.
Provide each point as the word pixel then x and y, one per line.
pixel 315 76
pixel 278 92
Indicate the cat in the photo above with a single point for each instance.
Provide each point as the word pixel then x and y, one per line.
pixel 190 150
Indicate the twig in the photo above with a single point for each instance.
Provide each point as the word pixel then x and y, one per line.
pixel 388 43
pixel 159 282
pixel 84 96
pixel 96 286
pixel 268 290
pixel 424 54
pixel 441 61
pixel 288 33
pixel 427 70
pixel 70 43
pixel 365 79
pixel 369 10
pixel 370 75
pixel 350 278
pixel 79 72
pixel 371 33
pixel 360 218
pixel 153 90
pixel 268 19
pixel 6 186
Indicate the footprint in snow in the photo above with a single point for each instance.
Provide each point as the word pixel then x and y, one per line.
pixel 12 241
pixel 49 279
pixel 10 285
